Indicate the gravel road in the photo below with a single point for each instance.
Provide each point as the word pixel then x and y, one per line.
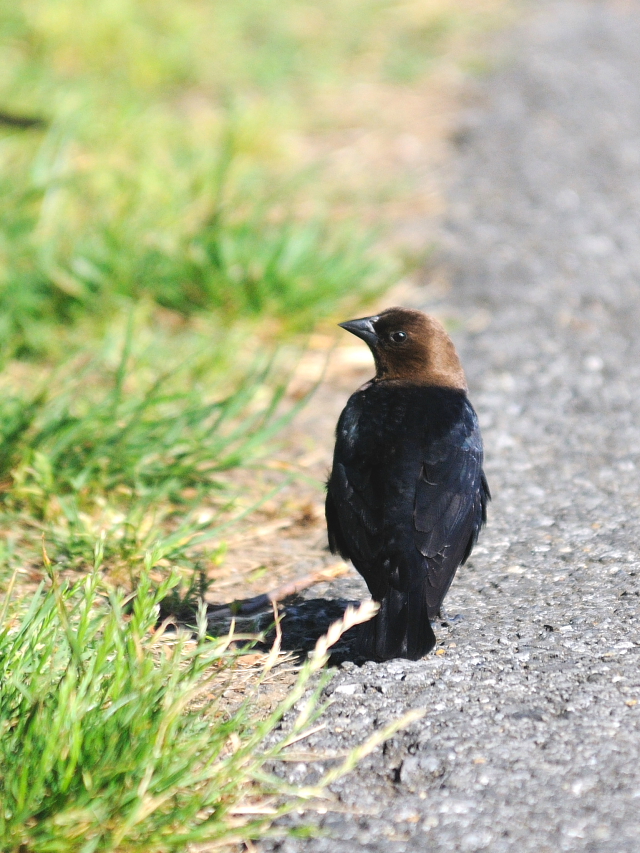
pixel 531 738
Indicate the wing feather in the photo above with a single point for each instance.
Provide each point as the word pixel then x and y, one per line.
pixel 450 506
pixel 447 493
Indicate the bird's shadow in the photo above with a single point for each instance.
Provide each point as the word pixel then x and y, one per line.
pixel 301 623
pixel 304 621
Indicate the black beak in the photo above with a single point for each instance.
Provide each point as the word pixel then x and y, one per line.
pixel 362 329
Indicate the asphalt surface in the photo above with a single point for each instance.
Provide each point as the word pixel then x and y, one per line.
pixel 531 738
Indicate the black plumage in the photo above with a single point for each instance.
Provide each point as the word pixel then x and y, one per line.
pixel 407 496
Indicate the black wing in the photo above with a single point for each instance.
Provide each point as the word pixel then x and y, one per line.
pixel 355 523
pixel 444 487
pixel 355 494
pixel 450 506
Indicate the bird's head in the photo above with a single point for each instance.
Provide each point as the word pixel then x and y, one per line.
pixel 412 346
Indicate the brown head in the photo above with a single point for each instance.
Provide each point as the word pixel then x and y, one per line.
pixel 410 346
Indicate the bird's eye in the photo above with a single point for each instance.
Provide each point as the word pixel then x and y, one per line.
pixel 398 337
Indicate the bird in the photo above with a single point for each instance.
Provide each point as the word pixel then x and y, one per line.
pixel 407 495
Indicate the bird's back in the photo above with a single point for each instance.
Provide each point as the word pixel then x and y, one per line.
pixel 405 502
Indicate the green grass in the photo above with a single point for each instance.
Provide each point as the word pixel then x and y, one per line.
pixel 163 169
pixel 162 179
pixel 193 237
pixel 149 49
pixel 136 442
pixel 162 228
pixel 115 736
pixel 165 166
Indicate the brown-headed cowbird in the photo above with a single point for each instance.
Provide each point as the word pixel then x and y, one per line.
pixel 407 496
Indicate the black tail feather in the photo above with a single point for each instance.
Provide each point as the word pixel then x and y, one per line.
pixel 400 629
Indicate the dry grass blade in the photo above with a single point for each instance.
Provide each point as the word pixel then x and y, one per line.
pixel 352 617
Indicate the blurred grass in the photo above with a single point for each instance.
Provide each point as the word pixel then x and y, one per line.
pixel 166 168
pixel 135 441
pixel 79 245
pixel 150 49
